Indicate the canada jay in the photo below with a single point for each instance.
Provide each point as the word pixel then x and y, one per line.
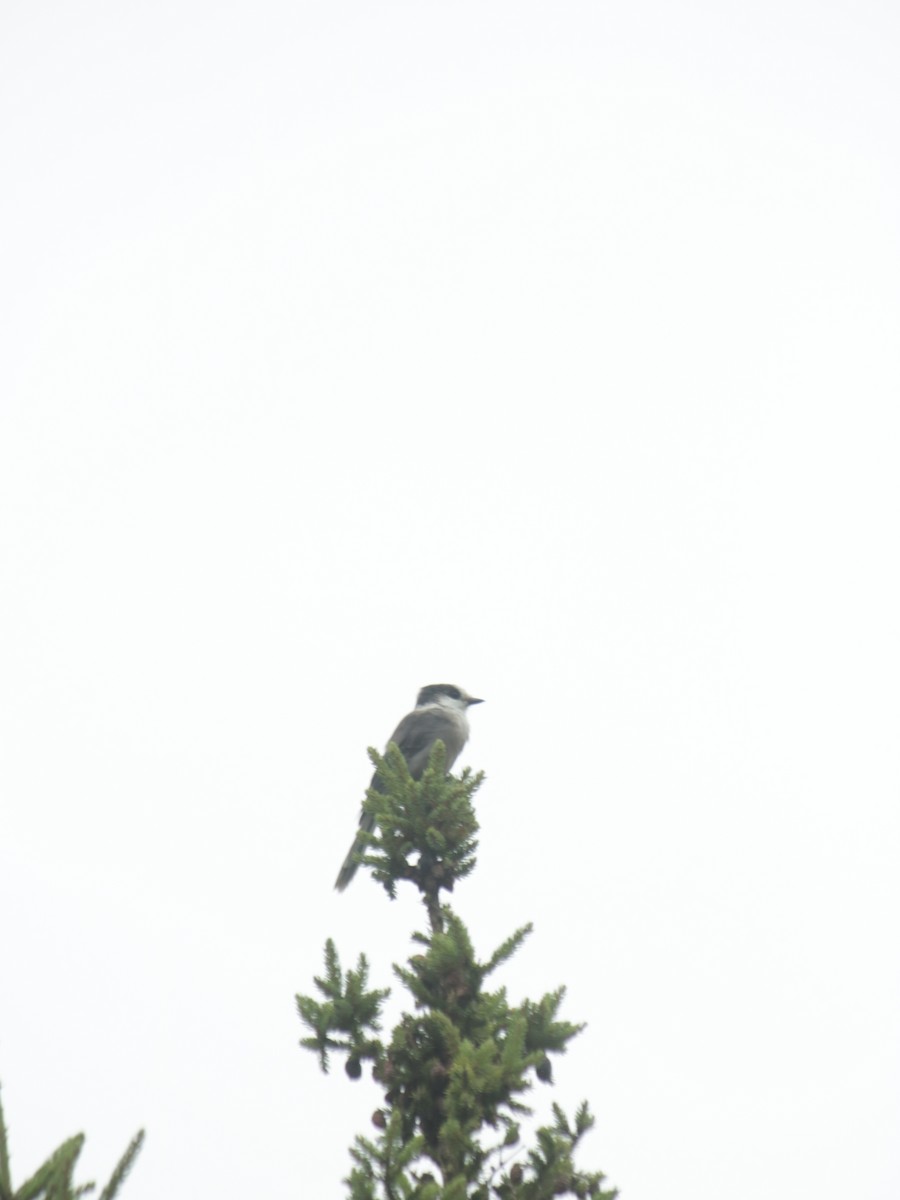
pixel 440 713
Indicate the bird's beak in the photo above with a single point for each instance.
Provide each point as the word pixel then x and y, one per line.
pixel 471 700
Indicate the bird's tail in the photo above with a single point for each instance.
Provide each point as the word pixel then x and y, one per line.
pixel 351 862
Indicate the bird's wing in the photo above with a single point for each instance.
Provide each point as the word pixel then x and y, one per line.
pixel 419 730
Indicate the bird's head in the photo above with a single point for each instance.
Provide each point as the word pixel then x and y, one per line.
pixel 447 695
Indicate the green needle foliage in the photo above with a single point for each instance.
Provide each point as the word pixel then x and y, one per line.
pixel 456 1069
pixel 55 1179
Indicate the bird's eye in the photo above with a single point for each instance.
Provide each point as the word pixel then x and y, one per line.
pixel 454 693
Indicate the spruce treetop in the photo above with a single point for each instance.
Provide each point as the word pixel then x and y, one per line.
pixel 457 1068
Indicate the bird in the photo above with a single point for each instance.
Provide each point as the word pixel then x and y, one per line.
pixel 440 713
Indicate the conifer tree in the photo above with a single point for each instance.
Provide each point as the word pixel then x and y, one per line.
pixel 55 1179
pixel 456 1069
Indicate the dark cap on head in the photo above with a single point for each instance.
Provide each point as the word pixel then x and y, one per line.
pixel 433 692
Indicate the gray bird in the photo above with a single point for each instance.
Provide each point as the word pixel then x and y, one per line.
pixel 440 713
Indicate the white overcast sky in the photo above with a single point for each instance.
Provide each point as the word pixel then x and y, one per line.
pixel 548 349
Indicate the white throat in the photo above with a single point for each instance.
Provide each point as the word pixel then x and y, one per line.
pixel 457 709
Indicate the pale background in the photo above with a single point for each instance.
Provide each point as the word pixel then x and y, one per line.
pixel 548 349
